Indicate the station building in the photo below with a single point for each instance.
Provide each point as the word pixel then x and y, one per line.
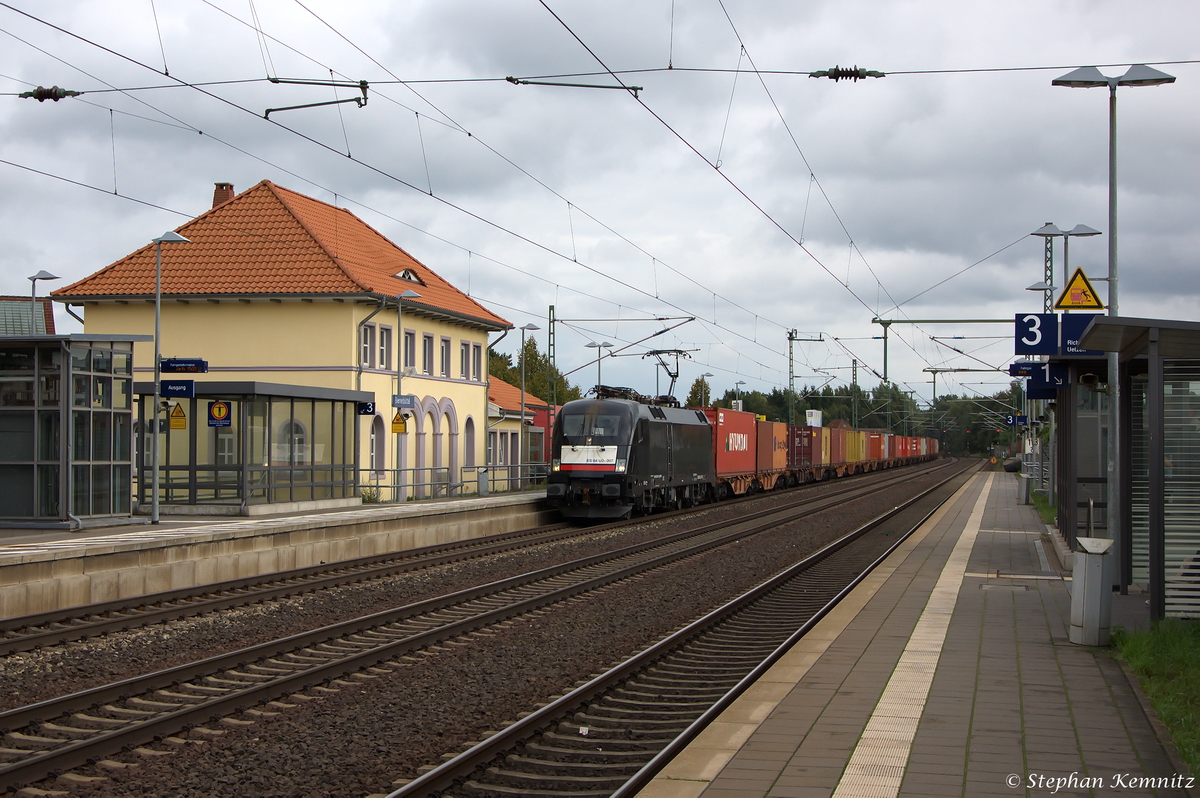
pixel 297 307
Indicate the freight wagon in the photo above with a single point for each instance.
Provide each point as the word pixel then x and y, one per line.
pixel 624 453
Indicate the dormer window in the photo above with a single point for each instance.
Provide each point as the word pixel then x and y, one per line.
pixel 411 276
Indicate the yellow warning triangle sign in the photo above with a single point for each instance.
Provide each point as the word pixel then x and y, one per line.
pixel 1079 294
pixel 177 412
pixel 398 424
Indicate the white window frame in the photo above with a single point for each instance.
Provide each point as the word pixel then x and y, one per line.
pixel 385 347
pixel 427 354
pixel 465 359
pixel 410 348
pixel 366 353
pixel 477 362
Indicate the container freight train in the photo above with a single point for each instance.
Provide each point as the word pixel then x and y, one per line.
pixel 614 456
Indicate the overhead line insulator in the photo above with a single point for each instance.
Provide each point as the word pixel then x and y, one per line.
pixel 855 73
pixel 41 93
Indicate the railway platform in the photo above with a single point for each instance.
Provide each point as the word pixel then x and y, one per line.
pixel 947 671
pixel 44 570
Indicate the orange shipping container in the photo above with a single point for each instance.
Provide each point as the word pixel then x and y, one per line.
pixel 772 447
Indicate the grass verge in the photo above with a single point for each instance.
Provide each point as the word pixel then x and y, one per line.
pixel 1048 512
pixel 1166 660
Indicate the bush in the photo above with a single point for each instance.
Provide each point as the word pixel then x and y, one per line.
pixel 369 495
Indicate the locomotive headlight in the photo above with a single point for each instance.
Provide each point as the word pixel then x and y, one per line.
pixel 555 464
pixel 620 467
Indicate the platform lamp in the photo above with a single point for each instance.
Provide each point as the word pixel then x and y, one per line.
pixel 1050 230
pixel 705 377
pixel 42 275
pixel 1089 78
pixel 521 433
pixel 737 387
pixel 408 293
pixel 599 347
pixel 169 237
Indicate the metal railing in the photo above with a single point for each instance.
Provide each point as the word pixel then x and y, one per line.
pixel 389 485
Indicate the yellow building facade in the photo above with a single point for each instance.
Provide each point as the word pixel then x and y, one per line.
pixel 275 288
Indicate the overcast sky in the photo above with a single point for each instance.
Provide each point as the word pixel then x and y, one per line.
pixel 755 202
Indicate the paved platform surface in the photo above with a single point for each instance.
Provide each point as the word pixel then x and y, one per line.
pixel 946 673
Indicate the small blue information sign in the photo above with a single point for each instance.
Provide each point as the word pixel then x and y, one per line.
pixel 1016 421
pixel 177 389
pixel 404 401
pixel 1022 368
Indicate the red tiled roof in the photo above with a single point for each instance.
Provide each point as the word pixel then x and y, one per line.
pixel 508 397
pixel 271 240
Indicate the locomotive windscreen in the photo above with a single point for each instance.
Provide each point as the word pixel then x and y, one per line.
pixel 599 426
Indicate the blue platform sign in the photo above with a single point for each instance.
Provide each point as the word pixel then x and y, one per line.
pixel 177 389
pixel 1016 421
pixel 1036 334
pixel 365 408
pixel 1046 379
pixel 404 401
pixel 1073 325
pixel 183 365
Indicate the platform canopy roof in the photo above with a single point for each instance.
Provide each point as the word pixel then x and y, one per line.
pixel 1129 336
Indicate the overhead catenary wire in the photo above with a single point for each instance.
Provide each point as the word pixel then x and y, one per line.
pixel 383 173
pixel 560 255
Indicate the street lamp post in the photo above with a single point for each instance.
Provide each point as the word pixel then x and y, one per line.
pixel 737 391
pixel 599 347
pixel 521 433
pixel 1087 78
pixel 408 293
pixel 1051 230
pixel 705 391
pixel 169 237
pixel 42 275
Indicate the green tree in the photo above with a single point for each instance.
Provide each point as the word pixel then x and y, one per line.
pixel 538 373
pixel 699 392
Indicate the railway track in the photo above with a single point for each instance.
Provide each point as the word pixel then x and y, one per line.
pixel 609 737
pixel 57 735
pixel 30 632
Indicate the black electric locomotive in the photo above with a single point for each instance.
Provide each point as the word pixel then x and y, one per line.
pixel 613 456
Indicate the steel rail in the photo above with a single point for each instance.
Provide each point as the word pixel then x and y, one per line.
pixel 258 662
pixel 455 771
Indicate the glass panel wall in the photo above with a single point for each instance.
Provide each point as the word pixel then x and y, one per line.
pixel 1181 485
pixel 46 437
pixel 274 449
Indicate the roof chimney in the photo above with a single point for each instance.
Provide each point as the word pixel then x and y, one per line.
pixel 222 193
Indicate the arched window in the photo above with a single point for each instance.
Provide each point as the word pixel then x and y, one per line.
pixel 295 441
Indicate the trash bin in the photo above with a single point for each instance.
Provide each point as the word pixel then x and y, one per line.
pixel 1024 483
pixel 482 475
pixel 1091 594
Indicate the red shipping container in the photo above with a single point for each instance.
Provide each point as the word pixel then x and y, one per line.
pixel 734 440
pixel 772 446
pixel 876 446
pixel 800 446
pixel 837 445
